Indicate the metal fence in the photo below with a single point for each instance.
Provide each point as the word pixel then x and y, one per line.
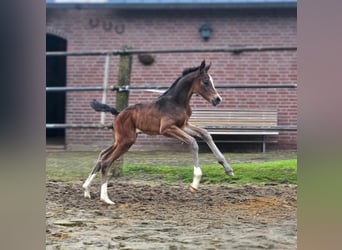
pixel 126 88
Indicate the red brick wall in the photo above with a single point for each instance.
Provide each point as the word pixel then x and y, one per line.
pixel 144 30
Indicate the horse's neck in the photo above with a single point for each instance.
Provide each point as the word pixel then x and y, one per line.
pixel 182 92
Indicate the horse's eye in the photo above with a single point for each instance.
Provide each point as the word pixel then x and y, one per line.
pixel 206 82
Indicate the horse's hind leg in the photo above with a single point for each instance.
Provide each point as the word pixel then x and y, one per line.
pixel 95 170
pixel 92 175
pixel 121 147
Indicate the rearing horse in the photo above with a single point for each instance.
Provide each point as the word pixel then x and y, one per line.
pixel 169 116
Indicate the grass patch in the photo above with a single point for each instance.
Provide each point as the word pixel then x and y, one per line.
pixel 67 174
pixel 77 166
pixel 274 172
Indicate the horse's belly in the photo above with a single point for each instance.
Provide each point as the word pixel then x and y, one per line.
pixel 138 131
pixel 150 127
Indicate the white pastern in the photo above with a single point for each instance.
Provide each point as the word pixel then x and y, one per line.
pixel 88 181
pixel 104 194
pixel 197 177
pixel 87 193
pixel 87 184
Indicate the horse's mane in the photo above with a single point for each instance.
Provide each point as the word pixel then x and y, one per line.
pixel 189 70
pixel 185 72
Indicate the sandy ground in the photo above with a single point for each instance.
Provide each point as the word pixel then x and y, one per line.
pixel 159 216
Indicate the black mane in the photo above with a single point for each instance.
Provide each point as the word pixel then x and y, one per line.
pixel 185 72
pixel 189 70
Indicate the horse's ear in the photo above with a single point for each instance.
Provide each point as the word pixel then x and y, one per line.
pixel 207 67
pixel 202 66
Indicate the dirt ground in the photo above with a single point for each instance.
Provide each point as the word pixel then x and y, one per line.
pixel 154 215
pixel 161 216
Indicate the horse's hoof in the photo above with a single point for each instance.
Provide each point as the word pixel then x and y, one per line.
pixel 87 194
pixel 192 189
pixel 230 173
pixel 108 201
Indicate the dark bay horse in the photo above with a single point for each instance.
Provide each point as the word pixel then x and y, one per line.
pixel 168 116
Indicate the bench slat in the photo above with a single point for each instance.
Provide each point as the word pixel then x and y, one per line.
pixel 221 121
pixel 224 117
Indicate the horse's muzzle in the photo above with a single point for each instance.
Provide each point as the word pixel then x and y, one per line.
pixel 216 101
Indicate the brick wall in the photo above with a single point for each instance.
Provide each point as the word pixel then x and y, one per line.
pixel 90 30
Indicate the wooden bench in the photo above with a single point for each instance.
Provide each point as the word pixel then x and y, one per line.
pixel 254 123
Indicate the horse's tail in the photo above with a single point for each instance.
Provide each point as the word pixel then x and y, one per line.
pixel 101 107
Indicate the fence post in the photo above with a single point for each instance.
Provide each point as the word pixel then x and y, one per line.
pixel 124 78
pixel 105 84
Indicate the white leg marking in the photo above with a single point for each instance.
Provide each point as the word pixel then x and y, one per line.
pixel 87 184
pixel 88 181
pixel 104 194
pixel 87 193
pixel 197 177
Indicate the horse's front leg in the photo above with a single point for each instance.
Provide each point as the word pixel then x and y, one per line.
pixel 206 137
pixel 196 180
pixel 179 134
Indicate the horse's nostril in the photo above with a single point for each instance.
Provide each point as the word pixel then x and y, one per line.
pixel 216 101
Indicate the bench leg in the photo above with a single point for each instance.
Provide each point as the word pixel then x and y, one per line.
pixel 263 144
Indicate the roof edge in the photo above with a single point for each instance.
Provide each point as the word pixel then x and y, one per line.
pixel 260 5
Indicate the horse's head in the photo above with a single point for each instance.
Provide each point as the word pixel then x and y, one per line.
pixel 203 85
